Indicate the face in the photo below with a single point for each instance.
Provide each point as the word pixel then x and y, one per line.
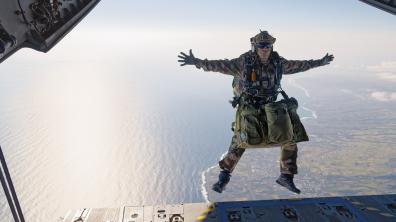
pixel 264 53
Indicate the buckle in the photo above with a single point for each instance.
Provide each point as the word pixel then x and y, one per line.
pixel 253 92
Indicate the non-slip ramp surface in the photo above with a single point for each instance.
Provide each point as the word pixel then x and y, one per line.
pixel 375 208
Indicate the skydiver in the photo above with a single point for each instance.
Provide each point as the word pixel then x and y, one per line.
pixel 256 85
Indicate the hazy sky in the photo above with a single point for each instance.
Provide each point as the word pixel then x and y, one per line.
pixel 129 34
pixel 232 22
pixel 270 14
pixel 244 17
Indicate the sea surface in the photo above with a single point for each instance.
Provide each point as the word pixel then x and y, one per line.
pixel 99 129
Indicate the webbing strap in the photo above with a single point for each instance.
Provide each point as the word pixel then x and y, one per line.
pixel 285 96
pixel 278 75
pixel 278 78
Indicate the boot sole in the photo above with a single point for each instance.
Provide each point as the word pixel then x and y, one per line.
pixel 296 192
pixel 217 189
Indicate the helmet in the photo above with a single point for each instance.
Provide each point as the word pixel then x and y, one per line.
pixel 262 38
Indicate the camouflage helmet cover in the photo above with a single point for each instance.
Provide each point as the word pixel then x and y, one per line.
pixel 263 37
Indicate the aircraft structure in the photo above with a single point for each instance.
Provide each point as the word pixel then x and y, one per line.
pixel 386 5
pixel 374 208
pixel 38 24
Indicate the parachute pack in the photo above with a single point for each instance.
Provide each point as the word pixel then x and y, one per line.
pixel 270 123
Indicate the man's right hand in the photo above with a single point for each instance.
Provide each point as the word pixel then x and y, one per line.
pixel 186 59
pixel 327 59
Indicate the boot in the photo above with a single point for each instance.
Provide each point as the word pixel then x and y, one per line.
pixel 224 178
pixel 286 180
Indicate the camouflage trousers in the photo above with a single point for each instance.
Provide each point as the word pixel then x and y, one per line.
pixel 288 158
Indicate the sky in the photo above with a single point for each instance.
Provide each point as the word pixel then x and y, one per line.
pixel 223 28
pixel 129 34
pixel 289 14
pixel 146 36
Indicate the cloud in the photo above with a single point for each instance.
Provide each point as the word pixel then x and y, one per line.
pixel 386 66
pixel 352 93
pixel 385 70
pixel 383 96
pixel 387 76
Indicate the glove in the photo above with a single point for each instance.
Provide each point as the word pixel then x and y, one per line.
pixel 187 59
pixel 327 59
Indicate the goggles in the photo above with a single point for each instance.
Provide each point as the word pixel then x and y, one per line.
pixel 264 45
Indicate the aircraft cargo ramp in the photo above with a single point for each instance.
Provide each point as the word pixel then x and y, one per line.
pixel 373 208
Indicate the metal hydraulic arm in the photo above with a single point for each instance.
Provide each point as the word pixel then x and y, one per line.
pixel 9 190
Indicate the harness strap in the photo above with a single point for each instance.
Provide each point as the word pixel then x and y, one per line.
pixel 285 96
pixel 278 77
pixel 248 83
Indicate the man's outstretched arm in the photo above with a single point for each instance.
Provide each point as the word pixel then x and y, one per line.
pixel 294 66
pixel 229 67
